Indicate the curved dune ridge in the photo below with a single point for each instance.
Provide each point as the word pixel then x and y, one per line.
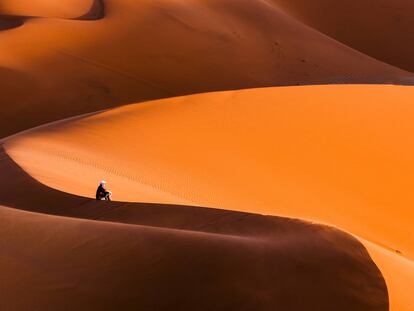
pixel 150 49
pixel 149 267
pixel 332 154
pixel 169 256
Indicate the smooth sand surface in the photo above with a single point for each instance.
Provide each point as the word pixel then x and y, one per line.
pixel 87 265
pixel 57 65
pixel 398 273
pixel 332 154
pixel 382 29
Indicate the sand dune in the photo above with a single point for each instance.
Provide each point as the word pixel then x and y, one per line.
pixel 258 259
pixel 329 154
pixel 398 273
pixel 154 49
pixel 379 28
pixel 189 256
pixel 46 8
pixel 287 198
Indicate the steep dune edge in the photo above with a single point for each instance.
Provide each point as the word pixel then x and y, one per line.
pixel 398 273
pixel 307 152
pixel 382 29
pixel 74 67
pixel 96 11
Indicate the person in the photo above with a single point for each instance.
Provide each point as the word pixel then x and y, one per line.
pixel 102 193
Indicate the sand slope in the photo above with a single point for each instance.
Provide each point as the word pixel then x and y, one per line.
pixel 138 50
pixel 379 28
pixel 174 257
pixel 335 154
pixel 46 8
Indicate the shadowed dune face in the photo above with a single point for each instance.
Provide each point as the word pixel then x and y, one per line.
pixel 196 256
pixel 9 22
pixel 173 269
pixel 175 48
pixel 382 29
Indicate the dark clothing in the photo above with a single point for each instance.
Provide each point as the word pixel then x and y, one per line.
pixel 101 193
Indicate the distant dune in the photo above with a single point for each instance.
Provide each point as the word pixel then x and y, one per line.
pixel 382 29
pixel 46 8
pixel 153 49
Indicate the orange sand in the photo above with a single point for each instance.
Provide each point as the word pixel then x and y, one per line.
pixel 340 155
pixel 52 68
pixel 333 154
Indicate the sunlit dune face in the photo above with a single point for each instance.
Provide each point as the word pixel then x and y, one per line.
pixel 340 154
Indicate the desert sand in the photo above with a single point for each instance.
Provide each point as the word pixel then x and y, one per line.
pixel 56 66
pixel 382 29
pixel 327 154
pixel 259 153
pixel 108 255
pixel 45 8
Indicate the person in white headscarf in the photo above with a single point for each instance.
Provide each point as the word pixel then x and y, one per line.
pixel 102 193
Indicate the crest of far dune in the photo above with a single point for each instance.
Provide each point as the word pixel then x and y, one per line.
pixel 331 154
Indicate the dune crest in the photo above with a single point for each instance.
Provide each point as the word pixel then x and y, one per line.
pixel 336 146
pixel 185 268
